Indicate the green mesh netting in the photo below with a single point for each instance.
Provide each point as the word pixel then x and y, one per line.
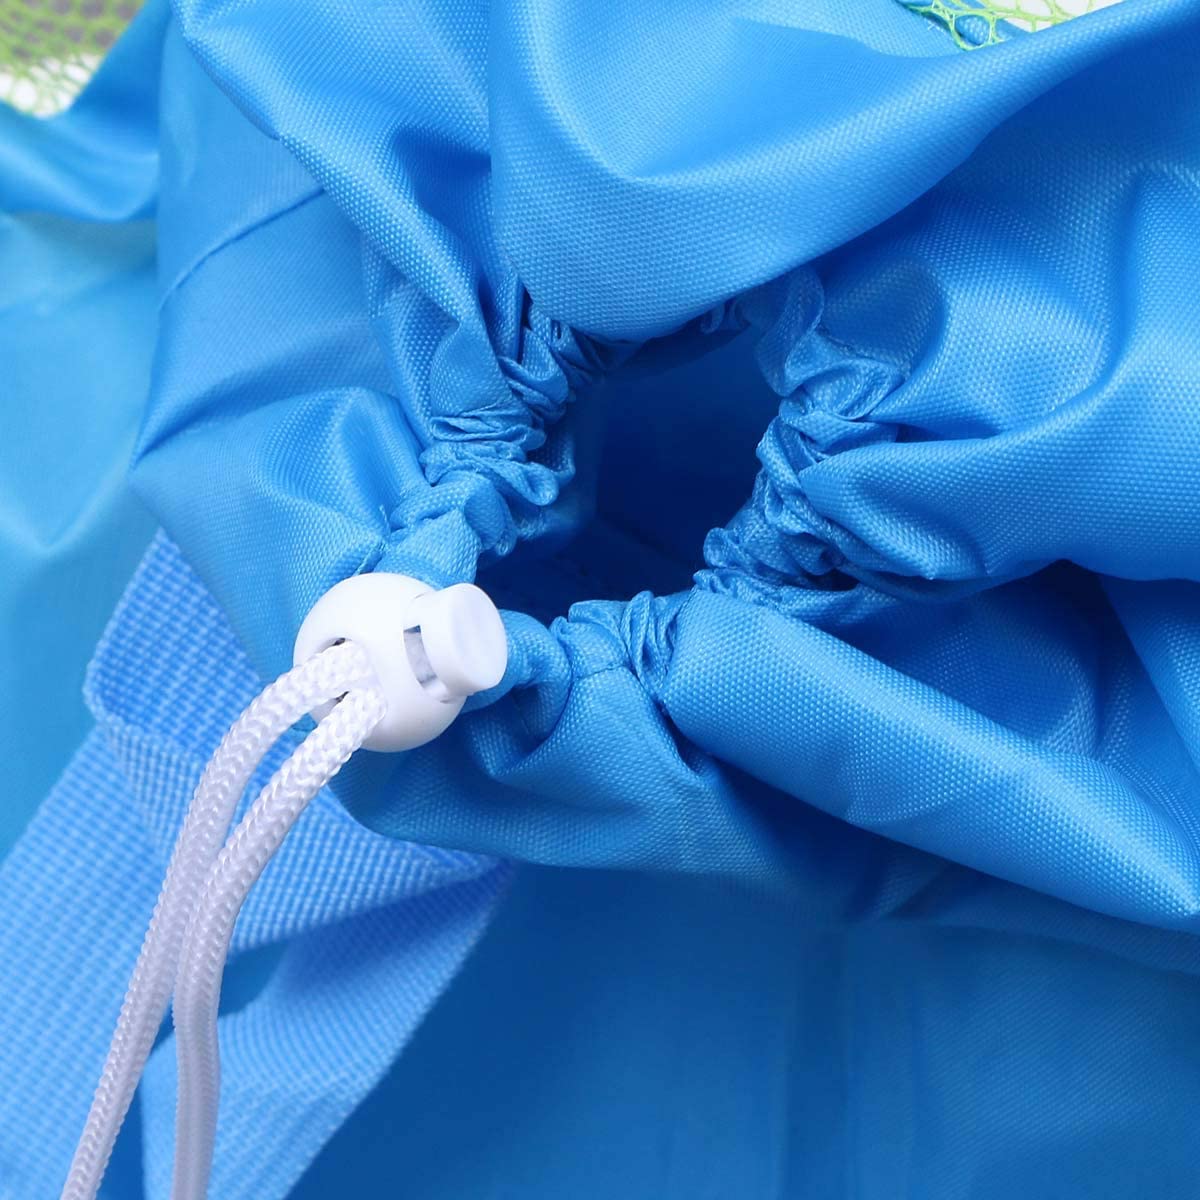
pixel 49 48
pixel 974 23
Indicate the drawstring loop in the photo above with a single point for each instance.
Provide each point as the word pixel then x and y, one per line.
pixel 384 662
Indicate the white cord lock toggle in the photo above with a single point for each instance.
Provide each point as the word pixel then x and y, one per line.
pixel 430 649
pixel 382 661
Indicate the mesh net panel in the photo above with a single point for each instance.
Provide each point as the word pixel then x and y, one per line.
pixel 974 23
pixel 49 48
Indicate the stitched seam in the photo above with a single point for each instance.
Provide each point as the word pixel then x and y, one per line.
pixel 237 236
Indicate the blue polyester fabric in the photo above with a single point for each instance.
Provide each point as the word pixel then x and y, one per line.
pixel 870 370
pixel 77 304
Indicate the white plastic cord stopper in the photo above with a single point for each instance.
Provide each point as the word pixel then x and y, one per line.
pixel 430 649
pixel 382 661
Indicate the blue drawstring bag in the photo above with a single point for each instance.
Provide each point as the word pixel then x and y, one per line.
pixel 819 399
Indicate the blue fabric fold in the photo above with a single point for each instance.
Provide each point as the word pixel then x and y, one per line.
pixel 77 294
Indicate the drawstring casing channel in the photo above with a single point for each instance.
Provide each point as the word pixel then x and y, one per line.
pixel 383 662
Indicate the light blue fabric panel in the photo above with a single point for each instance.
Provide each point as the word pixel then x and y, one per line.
pixel 366 929
pixel 77 320
pixel 76 330
pixel 682 1040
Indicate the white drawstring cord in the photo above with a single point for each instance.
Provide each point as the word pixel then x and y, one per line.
pixel 206 945
pixel 382 661
pixel 322 678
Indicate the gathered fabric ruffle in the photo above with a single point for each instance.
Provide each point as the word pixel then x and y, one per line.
pixel 505 464
pixel 429 430
pixel 828 394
